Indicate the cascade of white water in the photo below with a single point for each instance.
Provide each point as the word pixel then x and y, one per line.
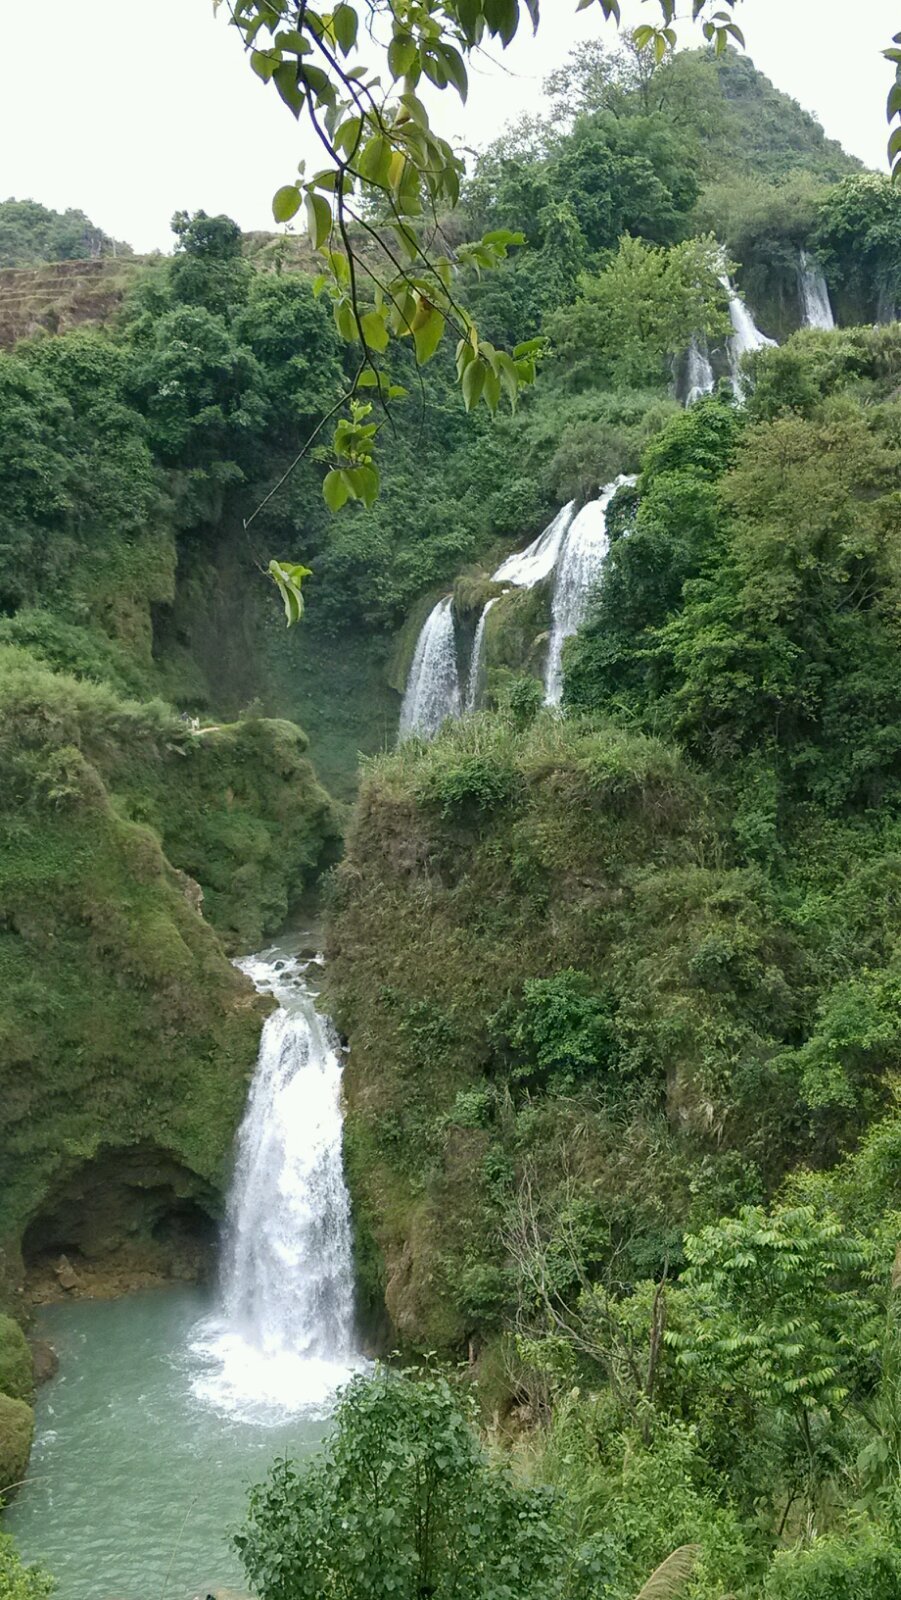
pixel 578 570
pixel 527 567
pixel 283 1337
pixel 699 374
pixel 745 333
pixel 433 687
pixel 814 294
pixel 475 666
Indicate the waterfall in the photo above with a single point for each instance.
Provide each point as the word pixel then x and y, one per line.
pixel 283 1336
pixel 745 333
pixel 433 687
pixel 578 570
pixel 814 294
pixel 528 567
pixel 886 309
pixel 699 375
pixel 475 666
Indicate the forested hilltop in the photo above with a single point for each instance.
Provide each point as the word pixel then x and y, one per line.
pixel 621 986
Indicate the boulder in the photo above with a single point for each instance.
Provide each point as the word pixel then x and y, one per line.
pixel 16 1377
pixel 16 1431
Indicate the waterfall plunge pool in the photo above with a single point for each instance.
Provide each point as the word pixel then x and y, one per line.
pixel 169 1404
pixel 136 1482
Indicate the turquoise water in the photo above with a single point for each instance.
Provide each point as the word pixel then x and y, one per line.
pixel 135 1482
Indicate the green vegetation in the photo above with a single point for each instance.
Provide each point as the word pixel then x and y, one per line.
pixel 621 993
pixel 621 986
pixel 30 233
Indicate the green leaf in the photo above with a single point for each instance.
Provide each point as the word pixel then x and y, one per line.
pixel 286 202
pixel 319 218
pixel 264 63
pixel 472 383
pixel 374 330
pixel 286 82
pixel 288 578
pixel 344 26
pixel 492 389
pixel 402 55
pixel 894 101
pixel 374 161
pixel 335 489
pixel 428 326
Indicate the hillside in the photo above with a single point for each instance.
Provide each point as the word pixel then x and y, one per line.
pixel 614 948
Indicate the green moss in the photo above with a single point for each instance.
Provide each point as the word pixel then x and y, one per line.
pixel 16 1373
pixel 486 862
pixel 516 634
pixel 16 1432
pixel 124 1026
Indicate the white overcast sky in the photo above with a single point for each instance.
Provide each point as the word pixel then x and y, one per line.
pixel 121 119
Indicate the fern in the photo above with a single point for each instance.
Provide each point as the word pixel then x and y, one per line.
pixel 670 1577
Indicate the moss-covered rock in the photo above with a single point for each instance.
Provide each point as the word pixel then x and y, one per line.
pixel 528 945
pixel 127 1036
pixel 16 1366
pixel 16 1432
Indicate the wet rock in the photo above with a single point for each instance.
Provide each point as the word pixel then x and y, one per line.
pixel 45 1360
pixel 66 1275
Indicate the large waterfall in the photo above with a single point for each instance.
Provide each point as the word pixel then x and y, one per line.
pixel 745 333
pixel 283 1337
pixel 814 294
pixel 433 687
pixel 578 570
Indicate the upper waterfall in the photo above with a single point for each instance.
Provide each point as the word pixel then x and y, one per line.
pixel 815 302
pixel 745 333
pixel 578 569
pixel 283 1337
pixel 433 686
pixel 527 567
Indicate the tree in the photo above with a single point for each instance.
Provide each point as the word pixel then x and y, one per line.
pixel 380 149
pixel 641 310
pixel 779 1317
pixel 403 1502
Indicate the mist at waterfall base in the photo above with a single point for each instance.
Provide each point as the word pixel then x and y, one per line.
pixel 169 1404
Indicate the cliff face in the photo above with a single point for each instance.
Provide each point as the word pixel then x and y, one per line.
pixel 127 1036
pixel 517 941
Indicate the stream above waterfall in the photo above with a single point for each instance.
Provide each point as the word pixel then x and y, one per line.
pixel 169 1404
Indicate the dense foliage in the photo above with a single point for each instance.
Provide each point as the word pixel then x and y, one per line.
pixel 622 993
pixel 31 233
pixel 622 987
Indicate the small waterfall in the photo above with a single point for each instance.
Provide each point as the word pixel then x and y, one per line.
pixel 886 309
pixel 814 294
pixel 745 333
pixel 433 686
pixel 283 1338
pixel 528 567
pixel 699 375
pixel 578 570
pixel 475 666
